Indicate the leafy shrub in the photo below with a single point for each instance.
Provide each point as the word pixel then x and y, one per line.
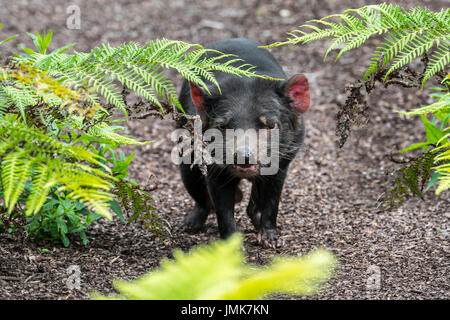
pixel 438 135
pixel 218 272
pixel 407 36
pixel 58 165
pixel 60 217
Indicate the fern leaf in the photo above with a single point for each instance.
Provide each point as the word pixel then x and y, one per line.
pixel 134 66
pixel 20 180
pixel 106 133
pixel 13 173
pixel 21 98
pixel 415 49
pixel 96 201
pixel 438 61
pixel 412 34
pixel 231 278
pixel 49 162
pixel 42 181
pixel 94 79
pixel 389 50
pixel 75 179
pixel 443 105
pixel 444 183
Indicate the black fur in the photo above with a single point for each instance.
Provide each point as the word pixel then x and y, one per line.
pixel 242 102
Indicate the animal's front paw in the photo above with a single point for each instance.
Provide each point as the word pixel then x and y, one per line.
pixel 195 221
pixel 269 238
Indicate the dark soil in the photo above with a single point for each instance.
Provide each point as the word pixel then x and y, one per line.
pixel 330 196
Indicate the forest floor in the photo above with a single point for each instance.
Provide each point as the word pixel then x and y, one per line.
pixel 330 196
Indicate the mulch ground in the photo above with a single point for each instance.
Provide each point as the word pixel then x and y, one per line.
pixel 330 196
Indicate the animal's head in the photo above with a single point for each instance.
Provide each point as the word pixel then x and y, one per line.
pixel 247 112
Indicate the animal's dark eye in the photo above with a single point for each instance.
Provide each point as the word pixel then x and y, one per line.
pixel 268 123
pixel 222 126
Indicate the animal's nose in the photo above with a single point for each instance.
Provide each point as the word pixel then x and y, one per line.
pixel 244 156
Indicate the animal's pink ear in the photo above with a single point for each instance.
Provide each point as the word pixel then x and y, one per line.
pixel 198 96
pixel 297 90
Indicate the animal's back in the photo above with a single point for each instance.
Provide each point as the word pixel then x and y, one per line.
pixel 244 49
pixel 248 50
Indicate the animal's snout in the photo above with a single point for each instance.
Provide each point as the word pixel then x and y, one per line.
pixel 244 156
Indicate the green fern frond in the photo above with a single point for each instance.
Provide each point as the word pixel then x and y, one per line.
pixel 48 162
pixel 76 179
pixel 438 61
pixel 107 134
pixel 444 183
pixel 21 178
pixel 191 277
pixel 87 76
pixel 26 86
pixel 443 164
pixel 408 35
pixel 411 180
pixel 441 142
pixel 12 171
pixel 41 182
pixel 416 48
pixel 443 105
pixel 136 67
pixel 18 132
pixel 389 50
pixel 21 98
pixel 95 200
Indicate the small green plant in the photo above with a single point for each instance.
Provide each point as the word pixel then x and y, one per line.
pixel 219 272
pixel 7 39
pixel 60 217
pixel 437 146
pixel 42 42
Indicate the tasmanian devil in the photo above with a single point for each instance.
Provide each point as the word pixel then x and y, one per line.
pixel 245 103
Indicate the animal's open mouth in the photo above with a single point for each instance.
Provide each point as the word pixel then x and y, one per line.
pixel 246 168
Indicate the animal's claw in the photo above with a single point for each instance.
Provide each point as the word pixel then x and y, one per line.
pixel 269 238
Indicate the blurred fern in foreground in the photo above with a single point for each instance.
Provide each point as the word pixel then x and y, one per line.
pixel 218 272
